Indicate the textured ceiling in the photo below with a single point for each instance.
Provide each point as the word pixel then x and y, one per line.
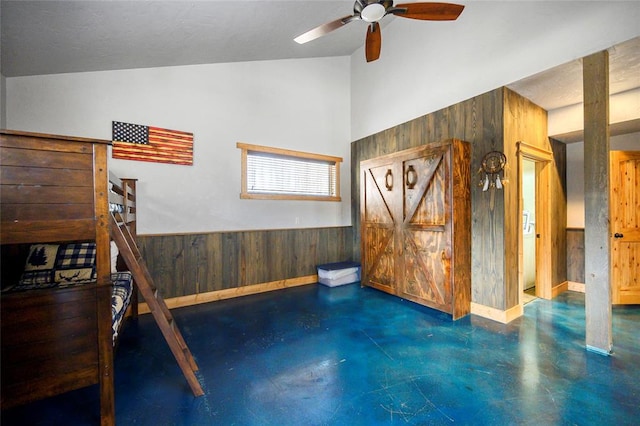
pixel 562 85
pixel 49 37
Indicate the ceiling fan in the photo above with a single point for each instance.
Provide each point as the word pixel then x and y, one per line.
pixel 372 11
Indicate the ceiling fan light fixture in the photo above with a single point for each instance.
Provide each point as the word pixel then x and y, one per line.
pixel 373 12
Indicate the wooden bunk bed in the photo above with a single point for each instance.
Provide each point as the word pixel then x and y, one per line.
pixel 55 190
pixel 58 333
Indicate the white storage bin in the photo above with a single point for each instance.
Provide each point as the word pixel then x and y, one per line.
pixel 339 273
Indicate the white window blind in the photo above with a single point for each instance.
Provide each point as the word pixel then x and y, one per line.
pixel 277 173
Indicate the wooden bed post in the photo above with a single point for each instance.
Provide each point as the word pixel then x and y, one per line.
pixel 131 218
pixel 103 308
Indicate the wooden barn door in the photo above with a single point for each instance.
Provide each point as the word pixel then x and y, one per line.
pixel 380 196
pixel 425 229
pixel 625 227
pixel 411 220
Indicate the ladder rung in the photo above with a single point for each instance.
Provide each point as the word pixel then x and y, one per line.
pixel 178 346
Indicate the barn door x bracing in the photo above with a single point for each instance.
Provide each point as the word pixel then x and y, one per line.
pixel 407 225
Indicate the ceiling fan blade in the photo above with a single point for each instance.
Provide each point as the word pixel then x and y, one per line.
pixel 374 42
pixel 323 29
pixel 428 11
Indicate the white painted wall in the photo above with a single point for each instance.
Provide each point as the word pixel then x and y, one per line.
pixel 317 105
pixel 575 174
pixel 420 72
pixel 294 104
pixel 3 102
pixel 623 107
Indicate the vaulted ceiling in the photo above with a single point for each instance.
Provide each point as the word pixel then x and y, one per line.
pixel 49 37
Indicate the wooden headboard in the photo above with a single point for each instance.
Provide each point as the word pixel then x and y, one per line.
pixel 51 190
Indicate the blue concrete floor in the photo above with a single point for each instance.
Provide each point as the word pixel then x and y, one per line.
pixel 355 356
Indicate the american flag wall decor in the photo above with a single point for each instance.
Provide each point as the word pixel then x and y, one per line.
pixel 146 143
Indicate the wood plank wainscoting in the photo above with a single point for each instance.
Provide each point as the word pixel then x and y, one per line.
pixel 575 259
pixel 493 121
pixel 196 268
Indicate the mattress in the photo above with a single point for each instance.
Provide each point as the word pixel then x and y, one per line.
pixel 120 299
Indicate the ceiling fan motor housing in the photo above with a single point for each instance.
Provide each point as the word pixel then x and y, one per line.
pixel 372 10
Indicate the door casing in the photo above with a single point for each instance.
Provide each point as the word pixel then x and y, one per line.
pixel 543 160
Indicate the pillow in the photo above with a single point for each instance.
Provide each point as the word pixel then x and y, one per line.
pixel 114 257
pixel 39 269
pixel 51 265
pixel 75 263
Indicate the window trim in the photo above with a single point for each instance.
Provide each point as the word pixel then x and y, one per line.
pixel 245 194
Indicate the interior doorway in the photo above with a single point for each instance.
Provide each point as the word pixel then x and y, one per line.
pixel 528 191
pixel 534 238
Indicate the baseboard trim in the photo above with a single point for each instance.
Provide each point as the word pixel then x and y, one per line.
pixel 229 293
pixel 495 314
pixel 560 288
pixel 574 286
pixel 599 351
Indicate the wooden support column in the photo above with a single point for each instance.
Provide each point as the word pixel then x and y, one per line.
pixel 596 190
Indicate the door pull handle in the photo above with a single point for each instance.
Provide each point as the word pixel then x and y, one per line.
pixel 388 180
pixel 412 177
pixel 618 235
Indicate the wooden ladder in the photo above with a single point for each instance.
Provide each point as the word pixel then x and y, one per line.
pixel 161 313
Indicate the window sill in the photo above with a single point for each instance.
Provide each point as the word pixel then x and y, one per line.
pixel 249 196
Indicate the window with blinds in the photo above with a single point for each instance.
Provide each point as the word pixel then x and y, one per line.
pixel 274 173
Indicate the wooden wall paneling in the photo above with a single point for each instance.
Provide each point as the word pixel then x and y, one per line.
pixel 514 130
pixel 596 161
pixel 356 155
pixel 334 244
pixel 410 133
pixel 328 241
pixel 158 255
pixel 188 264
pixel 280 251
pixel 559 208
pixel 488 210
pixel 195 269
pixel 461 199
pixel 403 136
pixel 301 245
pixel 443 124
pixel 575 255
pixel 290 241
pixel 315 250
pixel 215 261
pixel 195 273
pixel 230 248
pixel 252 257
pixel 389 141
pixel 481 121
pixel 527 122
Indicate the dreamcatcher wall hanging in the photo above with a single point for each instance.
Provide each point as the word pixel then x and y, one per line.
pixel 492 171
